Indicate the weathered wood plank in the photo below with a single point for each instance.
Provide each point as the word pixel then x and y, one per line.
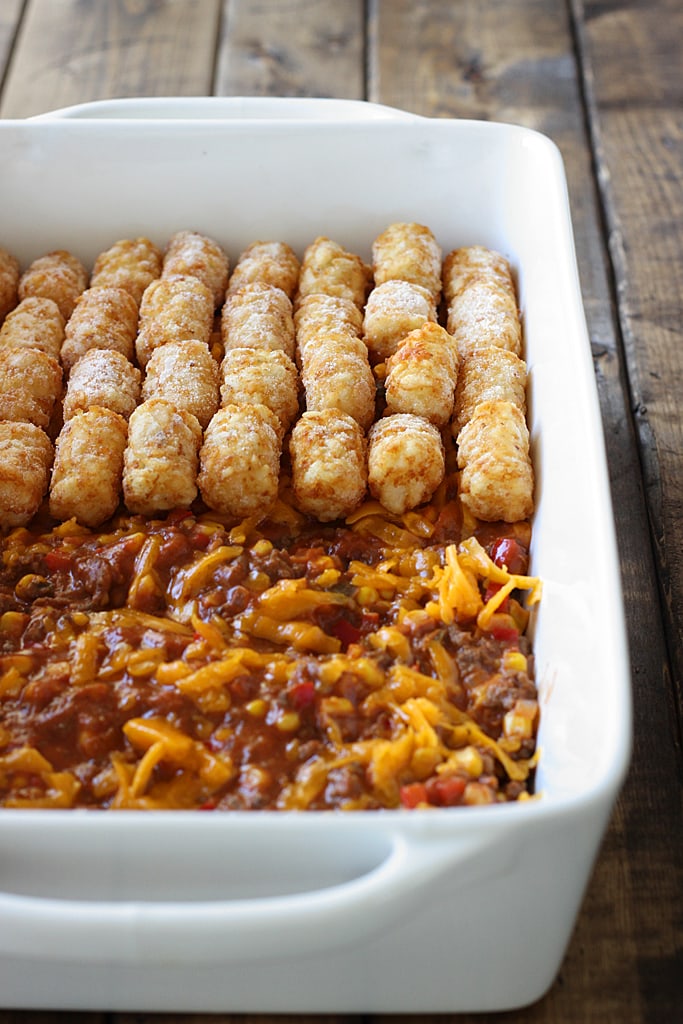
pixel 634 87
pixel 10 15
pixel 291 48
pixel 69 51
pixel 514 61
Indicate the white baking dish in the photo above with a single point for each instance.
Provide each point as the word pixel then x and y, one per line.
pixel 437 911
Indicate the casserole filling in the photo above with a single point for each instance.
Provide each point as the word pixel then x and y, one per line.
pixel 318 624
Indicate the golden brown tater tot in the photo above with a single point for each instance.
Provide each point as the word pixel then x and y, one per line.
pixel 173 309
pixel 394 309
pixel 328 268
pixel 86 478
pixel 462 267
pixel 240 460
pixel 103 318
pixel 161 459
pixel 487 374
pixel 273 263
pixel 196 255
pixel 408 252
pixel 59 276
pixel 24 472
pixel 496 478
pixel 337 375
pixel 406 461
pixel 329 472
pixel 318 317
pixel 34 323
pixel 130 263
pixel 105 378
pixel 258 316
pixel 185 374
pixel 261 377
pixel 9 282
pixel 422 373
pixel 30 384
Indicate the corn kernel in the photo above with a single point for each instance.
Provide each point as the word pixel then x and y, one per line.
pixel 514 661
pixel 259 581
pixel 288 722
pixel 256 708
pixel 262 547
pixel 366 596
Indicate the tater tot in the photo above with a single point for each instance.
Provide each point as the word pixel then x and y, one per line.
pixel 319 316
pixel 408 252
pixel 422 373
pixel 328 268
pixel 9 283
pixel 105 378
pixel 130 263
pixel 34 323
pixel 86 478
pixel 185 374
pixel 258 316
pixel 406 461
pixel 196 255
pixel 463 266
pixel 103 318
pixel 173 309
pixel 240 460
pixel 496 478
pixel 394 309
pixel 273 263
pixel 485 313
pixel 25 458
pixel 161 459
pixel 261 377
pixel 337 375
pixel 488 374
pixel 30 384
pixel 59 276
pixel 329 471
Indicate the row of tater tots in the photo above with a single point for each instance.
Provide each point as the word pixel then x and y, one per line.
pixel 163 377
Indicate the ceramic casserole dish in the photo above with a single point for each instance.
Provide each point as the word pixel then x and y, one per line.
pixel 444 910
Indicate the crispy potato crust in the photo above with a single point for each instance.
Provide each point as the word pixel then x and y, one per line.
pixel 9 282
pixel 27 454
pixel 422 373
pixel 191 253
pixel 240 460
pixel 262 377
pixel 102 318
pixel 328 268
pixel 273 263
pixel 488 374
pixel 59 276
pixel 130 263
pixel 394 309
pixel 160 461
pixel 30 384
pixel 173 309
pixel 86 478
pixel 405 461
pixel 408 252
pixel 34 323
pixel 496 479
pixel 185 374
pixel 258 316
pixel 105 378
pixel 329 472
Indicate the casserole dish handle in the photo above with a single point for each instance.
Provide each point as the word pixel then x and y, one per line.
pixel 175 932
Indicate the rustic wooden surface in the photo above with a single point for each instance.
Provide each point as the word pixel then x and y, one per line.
pixel 604 80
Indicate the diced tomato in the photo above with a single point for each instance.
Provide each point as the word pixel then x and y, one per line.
pixel 209 805
pixel 504 629
pixel 57 560
pixel 508 552
pixel 199 539
pixel 445 790
pixel 345 631
pixel 301 695
pixel 412 794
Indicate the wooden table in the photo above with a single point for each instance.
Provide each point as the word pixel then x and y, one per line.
pixel 604 80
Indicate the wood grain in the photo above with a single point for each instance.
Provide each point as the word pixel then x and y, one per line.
pixel 10 13
pixel 292 48
pixel 69 51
